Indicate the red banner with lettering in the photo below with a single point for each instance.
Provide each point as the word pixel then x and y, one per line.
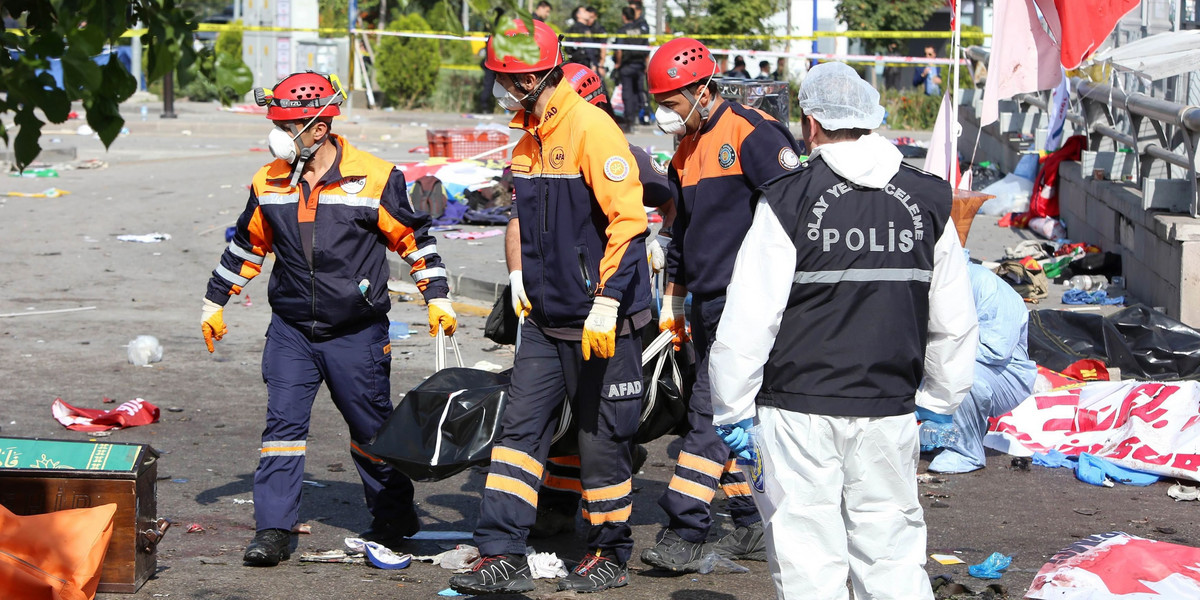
pixel 1152 427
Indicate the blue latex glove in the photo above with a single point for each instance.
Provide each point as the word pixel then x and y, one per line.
pixel 737 437
pixel 924 414
pixel 991 568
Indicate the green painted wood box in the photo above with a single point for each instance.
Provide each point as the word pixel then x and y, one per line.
pixel 40 476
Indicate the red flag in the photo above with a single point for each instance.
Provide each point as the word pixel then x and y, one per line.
pixel 130 414
pixel 1081 26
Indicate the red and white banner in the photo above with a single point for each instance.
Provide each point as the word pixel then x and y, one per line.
pixel 130 414
pixel 1153 427
pixel 1119 566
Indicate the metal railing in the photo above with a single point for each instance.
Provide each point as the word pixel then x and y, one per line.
pixel 1161 135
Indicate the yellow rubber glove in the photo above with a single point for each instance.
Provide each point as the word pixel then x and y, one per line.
pixel 212 323
pixel 600 329
pixel 441 312
pixel 520 301
pixel 671 318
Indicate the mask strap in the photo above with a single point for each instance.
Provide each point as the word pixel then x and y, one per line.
pixel 307 151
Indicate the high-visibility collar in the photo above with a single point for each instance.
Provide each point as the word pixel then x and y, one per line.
pixel 562 101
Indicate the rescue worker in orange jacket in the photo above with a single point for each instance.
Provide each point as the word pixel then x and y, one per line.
pixel 329 212
pixel 726 150
pixel 583 257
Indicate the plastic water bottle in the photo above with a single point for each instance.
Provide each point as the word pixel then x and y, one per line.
pixel 1087 283
pixel 145 111
pixel 937 435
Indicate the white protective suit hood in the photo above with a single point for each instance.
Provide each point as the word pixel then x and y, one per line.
pixel 870 161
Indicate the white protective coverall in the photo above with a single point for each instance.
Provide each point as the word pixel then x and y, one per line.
pixel 839 493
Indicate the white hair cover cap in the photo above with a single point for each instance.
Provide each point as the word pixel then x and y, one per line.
pixel 838 98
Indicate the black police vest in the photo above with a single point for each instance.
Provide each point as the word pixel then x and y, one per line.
pixel 852 339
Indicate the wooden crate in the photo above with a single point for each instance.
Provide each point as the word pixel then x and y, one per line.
pixel 41 476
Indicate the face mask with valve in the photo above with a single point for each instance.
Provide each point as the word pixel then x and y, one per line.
pixel 283 139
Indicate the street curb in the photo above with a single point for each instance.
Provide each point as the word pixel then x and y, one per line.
pixel 462 286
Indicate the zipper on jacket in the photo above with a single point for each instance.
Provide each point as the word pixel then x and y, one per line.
pixel 583 271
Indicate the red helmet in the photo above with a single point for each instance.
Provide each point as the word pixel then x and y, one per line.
pixel 301 96
pixel 679 63
pixel 585 82
pixel 549 54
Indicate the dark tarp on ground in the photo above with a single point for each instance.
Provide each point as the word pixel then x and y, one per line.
pixel 1141 342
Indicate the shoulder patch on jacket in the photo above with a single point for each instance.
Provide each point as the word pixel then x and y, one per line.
pixel 788 158
pixel 353 185
pixel 616 168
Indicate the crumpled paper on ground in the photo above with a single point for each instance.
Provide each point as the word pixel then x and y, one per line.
pixel 459 560
pixel 145 238
pixel 546 565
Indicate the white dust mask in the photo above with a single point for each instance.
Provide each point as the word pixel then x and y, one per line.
pixel 505 98
pixel 669 121
pixel 282 145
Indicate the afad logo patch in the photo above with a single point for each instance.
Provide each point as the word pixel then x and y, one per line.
pixel 788 159
pixel 353 185
pixel 616 168
pixel 624 390
pixel 558 156
pixel 726 157
pixel 756 471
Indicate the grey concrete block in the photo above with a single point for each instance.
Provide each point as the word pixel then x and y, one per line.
pixel 1172 195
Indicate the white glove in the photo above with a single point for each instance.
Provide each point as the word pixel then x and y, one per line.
pixel 671 318
pixel 656 251
pixel 600 329
pixel 520 301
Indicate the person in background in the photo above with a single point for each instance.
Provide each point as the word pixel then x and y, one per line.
pixel 542 11
pixel 848 307
pixel 780 73
pixel 1004 374
pixel 764 70
pixel 739 69
pixel 929 77
pixel 631 66
pixel 586 25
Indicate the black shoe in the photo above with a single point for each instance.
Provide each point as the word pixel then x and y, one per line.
pixel 596 572
pixel 744 543
pixel 552 521
pixel 391 533
pixel 674 553
pixel 500 574
pixel 268 547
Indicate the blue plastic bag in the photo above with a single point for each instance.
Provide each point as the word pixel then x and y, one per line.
pixel 991 568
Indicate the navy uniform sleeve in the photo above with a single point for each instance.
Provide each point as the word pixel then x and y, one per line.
pixel 678 228
pixel 656 190
pixel 768 152
pixel 407 232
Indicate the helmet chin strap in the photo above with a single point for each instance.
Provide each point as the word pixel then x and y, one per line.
pixel 529 100
pixel 695 102
pixel 306 152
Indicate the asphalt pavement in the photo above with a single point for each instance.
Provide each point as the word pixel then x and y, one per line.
pixel 187 177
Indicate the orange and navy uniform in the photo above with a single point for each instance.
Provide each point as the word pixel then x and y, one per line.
pixel 583 228
pixel 715 174
pixel 330 243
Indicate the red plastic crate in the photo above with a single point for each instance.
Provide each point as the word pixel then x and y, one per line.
pixel 467 143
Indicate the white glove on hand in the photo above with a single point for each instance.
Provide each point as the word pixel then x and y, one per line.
pixel 600 329
pixel 656 252
pixel 520 301
pixel 671 318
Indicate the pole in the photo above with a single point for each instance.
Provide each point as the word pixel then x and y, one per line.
pixel 383 14
pixel 955 128
pixel 660 17
pixel 169 96
pixel 135 48
pixel 466 18
pixel 814 30
pixel 352 15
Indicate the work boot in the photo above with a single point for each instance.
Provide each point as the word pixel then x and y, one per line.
pixel 596 572
pixel 674 553
pixel 744 543
pixel 268 547
pixel 392 532
pixel 553 520
pixel 500 574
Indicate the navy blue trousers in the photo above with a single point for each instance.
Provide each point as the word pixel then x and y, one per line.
pixel 356 367
pixel 605 396
pixel 705 462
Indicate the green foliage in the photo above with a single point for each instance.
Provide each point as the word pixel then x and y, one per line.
pixel 75 31
pixel 407 68
pixel 457 91
pixel 886 15
pixel 910 109
pixel 443 18
pixel 726 17
pixel 218 74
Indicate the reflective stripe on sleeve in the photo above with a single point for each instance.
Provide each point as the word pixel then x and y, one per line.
pixel 429 273
pixel 420 253
pixel 231 277
pixel 245 255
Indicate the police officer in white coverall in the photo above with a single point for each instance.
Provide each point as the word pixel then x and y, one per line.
pixel 849 307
